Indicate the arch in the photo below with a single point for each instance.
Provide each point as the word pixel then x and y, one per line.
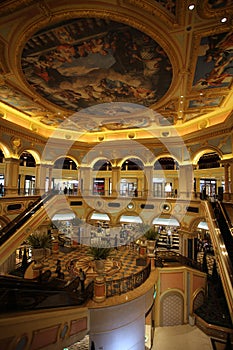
pixel 34 153
pixel 97 159
pixel 127 217
pixel 5 149
pixel 165 219
pixel 195 222
pixel 172 308
pixel 204 150
pixel 131 160
pixel 165 164
pixel 63 215
pixel 66 156
pixel 95 215
pixel 28 158
pixel 198 299
pixel 101 163
pixel 166 155
pixel 65 160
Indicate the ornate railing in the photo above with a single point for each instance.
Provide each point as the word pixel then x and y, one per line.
pixel 126 284
pixel 169 256
pixel 17 294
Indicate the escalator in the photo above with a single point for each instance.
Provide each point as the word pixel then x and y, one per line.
pixel 13 234
pixel 16 223
pixel 21 295
pixel 222 242
pixel 224 225
pixel 42 309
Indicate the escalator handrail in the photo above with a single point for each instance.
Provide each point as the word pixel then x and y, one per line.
pixel 17 222
pixel 223 232
pixel 226 218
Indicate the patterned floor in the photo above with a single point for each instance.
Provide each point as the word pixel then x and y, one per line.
pixel 122 262
pixel 209 258
pixel 81 345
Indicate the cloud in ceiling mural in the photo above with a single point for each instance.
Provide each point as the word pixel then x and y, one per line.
pixel 87 61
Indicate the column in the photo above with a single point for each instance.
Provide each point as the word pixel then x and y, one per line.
pixel 231 177
pixel 116 179
pixel 99 289
pixel 85 180
pixel 148 180
pixel 106 186
pixel 226 175
pixel 122 326
pixel 198 186
pixel 22 183
pixel 185 180
pixel 41 170
pixel 139 187
pixel 50 177
pixel 11 176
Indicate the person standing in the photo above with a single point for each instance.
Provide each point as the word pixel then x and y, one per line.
pixel 82 277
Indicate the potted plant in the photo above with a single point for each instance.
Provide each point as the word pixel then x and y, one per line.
pixel 151 236
pixel 99 254
pixel 39 243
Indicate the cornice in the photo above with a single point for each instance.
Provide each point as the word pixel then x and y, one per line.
pixel 10 6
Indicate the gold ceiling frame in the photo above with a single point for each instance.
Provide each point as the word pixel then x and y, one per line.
pixel 132 17
pixel 37 22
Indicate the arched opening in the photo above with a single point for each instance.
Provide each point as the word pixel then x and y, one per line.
pixel 65 176
pixel 169 238
pixel 65 163
pixel 166 163
pixel 130 177
pixel 26 180
pixel 102 165
pixel 102 184
pixel 132 164
pixel 209 160
pixel 27 160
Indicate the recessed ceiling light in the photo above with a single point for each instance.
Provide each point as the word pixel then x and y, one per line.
pixel 191 7
pixel 224 19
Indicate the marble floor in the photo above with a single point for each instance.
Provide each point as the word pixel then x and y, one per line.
pixel 183 337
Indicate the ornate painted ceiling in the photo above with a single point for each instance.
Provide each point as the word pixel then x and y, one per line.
pixel 116 65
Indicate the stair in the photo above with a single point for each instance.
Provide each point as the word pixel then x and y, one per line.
pixel 163 241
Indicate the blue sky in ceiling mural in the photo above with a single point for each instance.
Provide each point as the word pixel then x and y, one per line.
pixel 214 67
pixel 82 62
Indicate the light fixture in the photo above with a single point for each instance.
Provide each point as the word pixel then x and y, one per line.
pixel 223 20
pixel 191 7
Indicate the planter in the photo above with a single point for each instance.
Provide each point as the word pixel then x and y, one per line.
pixel 142 249
pixel 100 266
pixel 99 289
pixel 150 248
pixel 38 254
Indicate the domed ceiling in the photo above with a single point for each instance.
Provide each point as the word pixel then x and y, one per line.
pixel 87 61
pixel 115 66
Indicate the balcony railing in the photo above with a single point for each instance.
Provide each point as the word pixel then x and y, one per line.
pixel 128 283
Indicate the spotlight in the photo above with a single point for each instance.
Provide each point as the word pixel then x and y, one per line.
pixel 191 7
pixel 223 20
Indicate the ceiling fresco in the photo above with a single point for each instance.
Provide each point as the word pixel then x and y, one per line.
pixel 214 67
pixel 87 61
pixel 88 70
